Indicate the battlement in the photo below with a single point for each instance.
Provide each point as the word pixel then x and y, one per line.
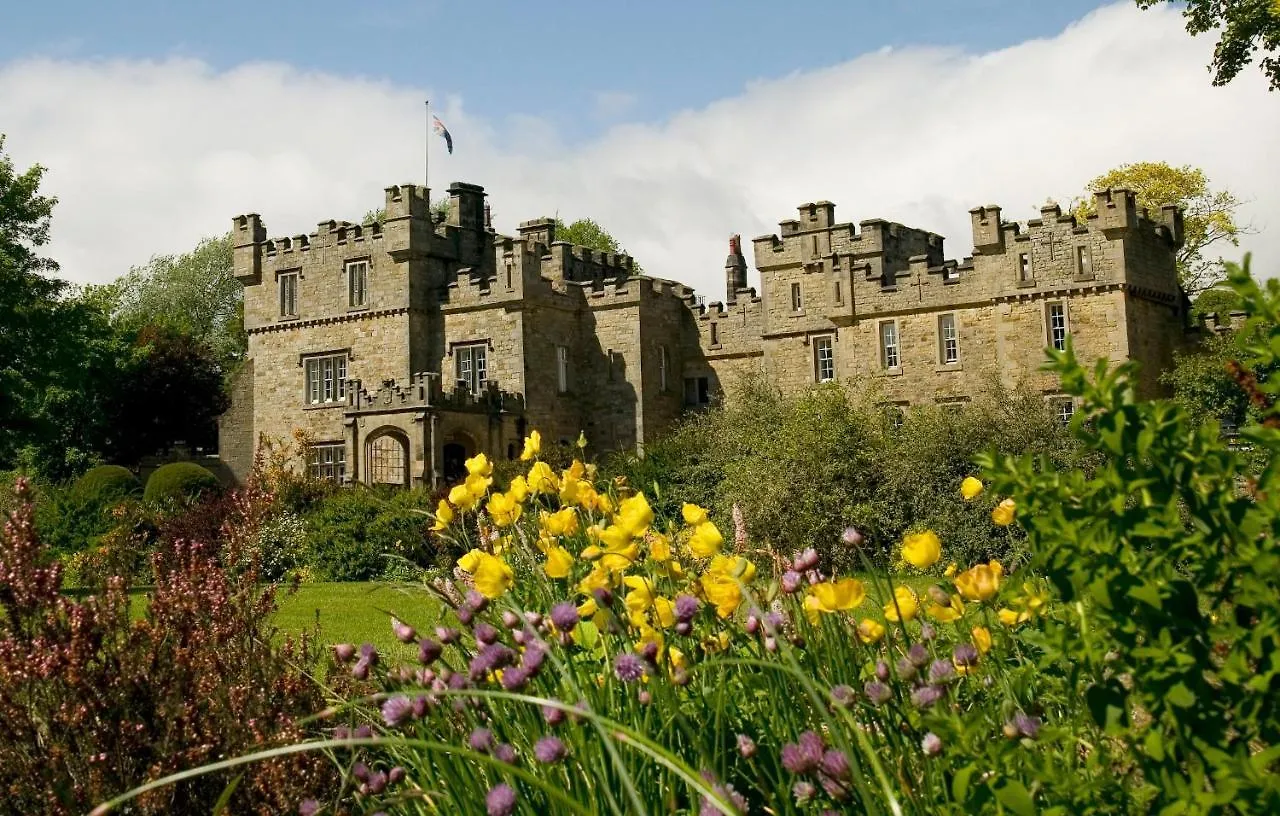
pixel 570 262
pixel 329 233
pixel 407 201
pixel 424 390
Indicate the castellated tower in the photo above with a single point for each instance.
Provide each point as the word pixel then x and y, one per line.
pixel 402 347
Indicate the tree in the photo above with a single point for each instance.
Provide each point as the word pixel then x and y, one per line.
pixel 586 232
pixel 1208 214
pixel 194 294
pixel 58 354
pixel 1245 25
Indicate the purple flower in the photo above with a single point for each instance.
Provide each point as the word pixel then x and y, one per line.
pixel 397 710
pixel 927 632
pixel 925 696
pixel 420 705
pixel 628 667
pixel 395 775
pixel 403 632
pixel 1028 727
pixel 649 651
pixel 932 744
pixel 753 623
pixel 553 715
pixel 803 756
pixel 548 750
pixel 746 746
pixel 360 771
pixel 918 654
pixel 882 670
pixel 510 619
pixel 791 581
pixel 360 670
pixel 686 607
pixel 877 692
pixel 906 669
pixel 446 634
pixel 941 671
pixel 851 536
pixel 532 658
pixel 805 561
pixel 774 621
pixel 475 601
pixel 505 753
pixel 803 791
pixel 429 651
pixel 377 783
pixel 965 654
pixel 480 740
pixel 843 695
pixel 501 800
pixel 342 652
pixel 514 678
pixel 683 627
pixel 308 807
pixel 485 633
pixel 369 652
pixel 564 616
pixel 465 615
pixel 835 764
pixel 363 732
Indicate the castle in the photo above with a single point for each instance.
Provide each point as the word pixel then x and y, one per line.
pixel 404 346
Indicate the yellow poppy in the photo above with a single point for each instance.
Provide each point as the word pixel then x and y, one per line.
pixel 478 485
pixel 869 631
pixel 444 515
pixel 596 579
pixel 922 549
pixel 468 562
pixel 587 608
pixel 980 583
pixel 559 563
pixel 723 592
pixel 1002 515
pixel 462 498
pixel 981 639
pixel 504 509
pixel 950 570
pixel 693 514
pixel 847 593
pixel 733 566
pixel 813 609
pixel 615 536
pixel 946 613
pixel 706 540
pixel 479 465
pixel 493 576
pixel 640 598
pixel 970 488
pixel 904 602
pixel 518 489
pixel 1010 618
pixel 635 515
pixel 664 612
pixel 659 547
pixel 532 446
pixel 542 479
pixel 619 559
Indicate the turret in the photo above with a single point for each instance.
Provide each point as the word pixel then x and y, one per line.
pixel 540 231
pixel 406 200
pixel 735 270
pixel 248 235
pixel 1117 210
pixel 987 235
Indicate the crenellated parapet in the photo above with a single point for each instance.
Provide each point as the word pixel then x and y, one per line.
pixel 424 391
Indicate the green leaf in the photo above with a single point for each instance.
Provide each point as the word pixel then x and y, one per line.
pixel 1180 696
pixel 1154 745
pixel 1013 795
pixel 1107 706
pixel 960 784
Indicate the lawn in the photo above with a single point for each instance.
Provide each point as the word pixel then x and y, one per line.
pixel 356 612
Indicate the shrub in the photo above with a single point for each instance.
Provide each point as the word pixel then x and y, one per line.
pixel 179 482
pixel 358 533
pixel 95 704
pixel 281 545
pixel 107 483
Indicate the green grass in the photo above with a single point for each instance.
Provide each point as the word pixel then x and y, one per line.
pixel 357 612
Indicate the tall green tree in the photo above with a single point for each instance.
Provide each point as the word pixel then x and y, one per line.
pixel 1245 26
pixel 1209 215
pixel 588 233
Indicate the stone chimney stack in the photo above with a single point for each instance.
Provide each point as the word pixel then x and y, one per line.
pixel 735 270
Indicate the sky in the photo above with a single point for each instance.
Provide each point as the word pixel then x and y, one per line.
pixel 674 125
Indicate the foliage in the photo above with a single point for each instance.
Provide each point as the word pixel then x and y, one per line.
pixel 107 482
pixel 1173 571
pixel 1217 300
pixel 586 232
pixel 94 703
pixel 172 393
pixel 178 482
pixel 1245 25
pixel 281 545
pixel 1209 216
pixel 358 533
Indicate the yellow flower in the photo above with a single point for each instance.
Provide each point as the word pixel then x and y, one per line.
pixel 618 559
pixel 615 536
pixel 504 509
pixel 559 563
pixel 493 576
pixel 478 485
pixel 677 658
pixel 904 602
pixel 1002 515
pixel 664 612
pixel 659 547
pixel 716 643
pixel 950 570
pixel 603 504
pixel 706 540
pixel 869 631
pixel 640 598
pixel 847 593
pixel 596 579
pixel 981 639
pixel 922 549
pixel 471 560
pixel 542 479
pixel 588 608
pixel 479 465
pixel 518 489
pixel 1010 618
pixel 634 515
pixel 444 515
pixel 723 591
pixel 946 613
pixel 562 522
pixel 462 498
pixel 649 635
pixel 733 566
pixel 591 553
pixel 980 583
pixel 693 514
pixel 532 446
pixel 812 609
pixel 970 488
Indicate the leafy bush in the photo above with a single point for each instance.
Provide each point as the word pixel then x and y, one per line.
pixel 107 483
pixel 357 534
pixel 95 703
pixel 281 545
pixel 179 482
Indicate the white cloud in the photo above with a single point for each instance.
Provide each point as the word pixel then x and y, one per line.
pixel 147 157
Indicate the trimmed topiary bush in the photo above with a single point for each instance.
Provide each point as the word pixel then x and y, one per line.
pixel 106 483
pixel 179 482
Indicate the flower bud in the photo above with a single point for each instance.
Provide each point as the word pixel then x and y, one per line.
pixel 343 652
pixel 510 619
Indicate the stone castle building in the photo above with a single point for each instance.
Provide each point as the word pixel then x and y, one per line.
pixel 404 346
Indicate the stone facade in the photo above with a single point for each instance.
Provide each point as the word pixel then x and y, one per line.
pixel 404 346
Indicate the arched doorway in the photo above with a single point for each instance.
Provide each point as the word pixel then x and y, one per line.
pixel 387 459
pixel 454 460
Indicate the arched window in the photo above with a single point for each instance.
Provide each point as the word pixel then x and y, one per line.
pixel 388 460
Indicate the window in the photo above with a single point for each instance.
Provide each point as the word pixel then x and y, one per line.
pixel 797 302
pixel 473 370
pixel 948 340
pixel 289 295
pixel 824 359
pixel 326 379
pixel 950 273
pixel 562 367
pixel 1063 409
pixel 697 391
pixel 1084 262
pixel 893 416
pixel 715 334
pixel 1058 326
pixel 328 461
pixel 663 363
pixel 1024 267
pixel 388 461
pixel 839 294
pixel 357 283
pixel 889 344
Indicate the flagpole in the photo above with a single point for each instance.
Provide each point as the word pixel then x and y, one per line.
pixel 426 156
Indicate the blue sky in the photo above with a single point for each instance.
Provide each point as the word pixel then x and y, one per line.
pixel 674 125
pixel 586 64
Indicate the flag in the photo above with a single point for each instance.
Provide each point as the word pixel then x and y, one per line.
pixel 443 131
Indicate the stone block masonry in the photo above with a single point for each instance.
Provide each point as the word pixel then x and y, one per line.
pixel 403 347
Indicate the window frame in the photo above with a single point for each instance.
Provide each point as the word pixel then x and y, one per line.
pixel 1026 270
pixel 885 362
pixel 821 342
pixel 664 364
pixel 324 382
pixel 288 280
pixel 562 369
pixel 335 465
pixel 350 267
pixel 797 297
pixel 473 382
pixel 1054 342
pixel 943 340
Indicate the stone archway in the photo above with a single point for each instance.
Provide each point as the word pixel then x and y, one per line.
pixel 387 458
